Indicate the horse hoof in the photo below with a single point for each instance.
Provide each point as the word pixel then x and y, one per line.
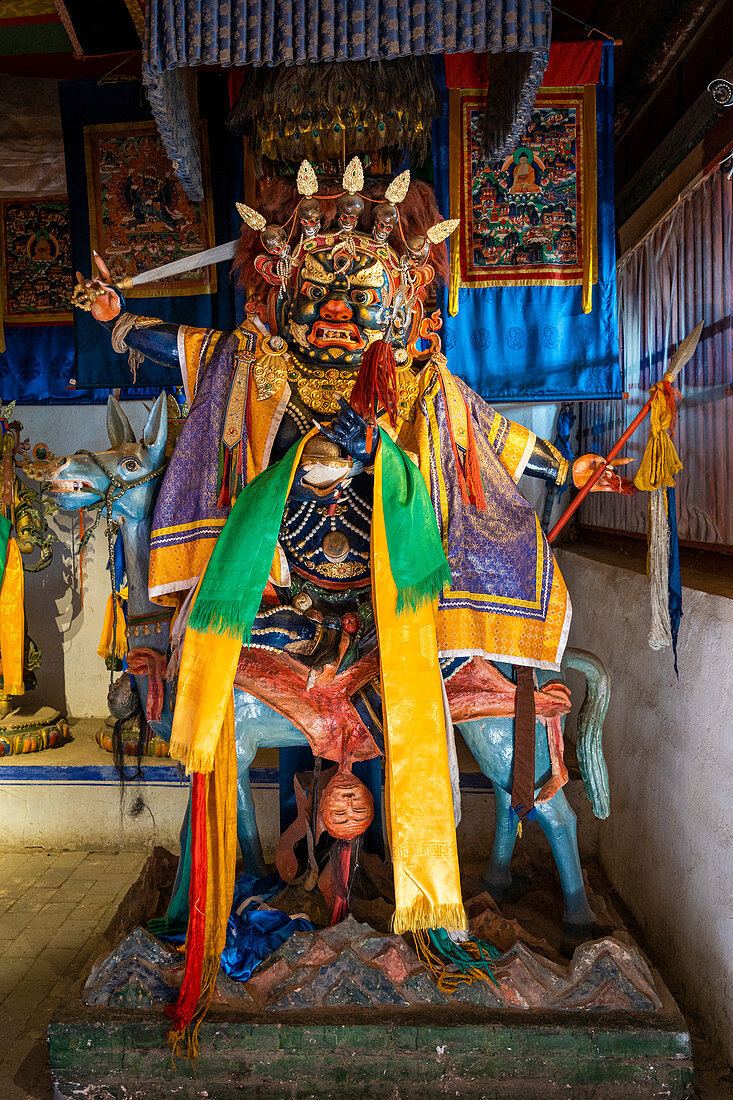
pixel 580 933
pixel 497 888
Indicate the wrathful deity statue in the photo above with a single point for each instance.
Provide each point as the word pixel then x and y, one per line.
pixel 346 508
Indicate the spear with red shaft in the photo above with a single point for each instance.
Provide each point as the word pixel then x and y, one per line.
pixel 684 352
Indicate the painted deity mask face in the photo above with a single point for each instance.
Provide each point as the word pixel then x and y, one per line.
pixel 339 308
pixel 347 807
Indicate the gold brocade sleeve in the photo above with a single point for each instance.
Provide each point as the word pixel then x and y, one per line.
pixel 513 444
pixel 191 343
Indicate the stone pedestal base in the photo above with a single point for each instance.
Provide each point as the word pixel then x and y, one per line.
pixel 475 1054
pixel 348 1012
pixel 32 729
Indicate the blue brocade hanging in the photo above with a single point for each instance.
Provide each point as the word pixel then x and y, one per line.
pixel 528 227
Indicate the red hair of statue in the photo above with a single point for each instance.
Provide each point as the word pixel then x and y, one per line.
pixel 376 383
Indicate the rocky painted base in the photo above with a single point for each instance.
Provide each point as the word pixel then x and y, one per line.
pixel 32 730
pixel 352 966
pixel 350 1012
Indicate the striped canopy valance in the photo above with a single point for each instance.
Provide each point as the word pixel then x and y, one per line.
pixel 183 34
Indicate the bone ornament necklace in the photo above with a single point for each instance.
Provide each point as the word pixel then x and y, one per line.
pixel 331 541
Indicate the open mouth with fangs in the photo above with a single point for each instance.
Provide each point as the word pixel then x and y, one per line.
pixel 347 335
pixel 71 487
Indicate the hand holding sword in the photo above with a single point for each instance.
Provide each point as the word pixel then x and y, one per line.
pixel 88 292
pixel 98 296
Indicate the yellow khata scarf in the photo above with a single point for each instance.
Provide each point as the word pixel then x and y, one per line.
pixel 108 648
pixel 419 800
pixel 12 617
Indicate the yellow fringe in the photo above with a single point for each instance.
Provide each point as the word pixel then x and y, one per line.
pixel 454 243
pixel 449 980
pixel 661 462
pixel 198 760
pixel 422 915
pixel 104 649
pixel 590 214
pixel 12 621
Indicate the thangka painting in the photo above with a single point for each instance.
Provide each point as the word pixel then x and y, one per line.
pixel 139 215
pixel 528 219
pixel 37 276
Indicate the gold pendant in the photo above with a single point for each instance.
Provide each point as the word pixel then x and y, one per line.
pixel 335 546
pixel 320 389
pixel 271 368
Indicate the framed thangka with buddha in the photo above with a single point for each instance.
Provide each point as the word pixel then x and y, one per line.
pixel 527 219
pixel 35 261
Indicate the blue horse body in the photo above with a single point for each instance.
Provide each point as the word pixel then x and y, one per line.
pixel 491 740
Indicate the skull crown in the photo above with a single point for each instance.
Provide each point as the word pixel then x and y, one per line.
pixel 350 204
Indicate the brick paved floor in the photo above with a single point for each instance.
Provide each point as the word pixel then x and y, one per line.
pixel 54 907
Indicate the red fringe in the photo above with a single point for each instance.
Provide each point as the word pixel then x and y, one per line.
pixel 182 1011
pixel 376 383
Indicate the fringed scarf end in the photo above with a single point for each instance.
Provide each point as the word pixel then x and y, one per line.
pixel 212 616
pixel 423 915
pixel 413 596
pixel 183 1038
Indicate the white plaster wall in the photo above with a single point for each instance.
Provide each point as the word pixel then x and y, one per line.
pixel 669 745
pixel 73 677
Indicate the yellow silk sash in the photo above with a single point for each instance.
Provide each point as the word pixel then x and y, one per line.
pixel 419 800
pixel 12 622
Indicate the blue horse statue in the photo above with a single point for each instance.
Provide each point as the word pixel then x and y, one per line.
pixel 125 479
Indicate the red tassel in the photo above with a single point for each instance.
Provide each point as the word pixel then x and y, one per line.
pixel 376 383
pixel 224 499
pixel 341 881
pixel 182 1011
pixel 473 470
pixel 460 476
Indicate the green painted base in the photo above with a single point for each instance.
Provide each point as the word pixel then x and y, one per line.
pixel 469 1053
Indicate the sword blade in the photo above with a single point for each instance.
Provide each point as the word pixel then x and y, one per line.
pixel 187 263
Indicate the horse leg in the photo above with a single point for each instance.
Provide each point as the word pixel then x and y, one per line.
pixel 497 877
pixel 559 824
pixel 247 831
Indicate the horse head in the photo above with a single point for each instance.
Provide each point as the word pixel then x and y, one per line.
pixel 128 473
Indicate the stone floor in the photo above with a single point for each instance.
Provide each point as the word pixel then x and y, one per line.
pixel 54 907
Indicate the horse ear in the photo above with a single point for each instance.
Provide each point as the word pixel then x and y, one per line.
pixel 119 428
pixel 155 433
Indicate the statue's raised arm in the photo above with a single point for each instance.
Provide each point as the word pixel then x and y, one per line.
pixel 146 337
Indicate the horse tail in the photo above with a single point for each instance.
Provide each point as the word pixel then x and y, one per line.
pixel 590 727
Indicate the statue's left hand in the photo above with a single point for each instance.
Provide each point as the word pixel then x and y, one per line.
pixel 350 431
pixel 97 295
pixel 609 481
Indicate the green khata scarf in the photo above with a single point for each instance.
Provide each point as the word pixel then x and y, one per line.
pixel 236 576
